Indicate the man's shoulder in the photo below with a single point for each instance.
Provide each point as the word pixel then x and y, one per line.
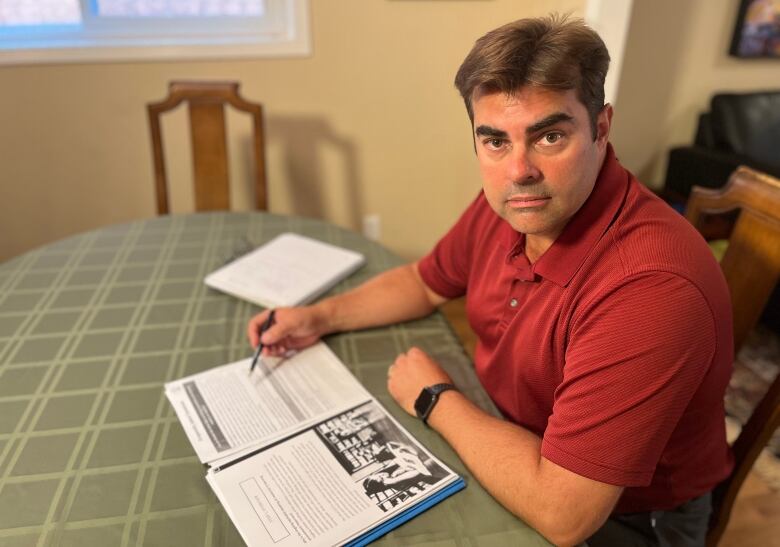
pixel 649 235
pixel 648 244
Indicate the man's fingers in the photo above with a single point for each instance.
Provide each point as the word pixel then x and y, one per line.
pixel 416 352
pixel 274 334
pixel 292 329
pixel 273 350
pixel 253 327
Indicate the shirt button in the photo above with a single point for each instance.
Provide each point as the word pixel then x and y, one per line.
pixel 513 302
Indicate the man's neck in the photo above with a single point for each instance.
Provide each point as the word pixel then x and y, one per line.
pixel 537 245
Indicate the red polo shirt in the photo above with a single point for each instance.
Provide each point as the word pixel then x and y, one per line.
pixel 615 346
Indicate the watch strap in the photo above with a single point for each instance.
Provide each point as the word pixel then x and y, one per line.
pixel 433 391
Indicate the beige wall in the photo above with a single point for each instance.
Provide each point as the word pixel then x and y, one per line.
pixel 676 57
pixel 370 123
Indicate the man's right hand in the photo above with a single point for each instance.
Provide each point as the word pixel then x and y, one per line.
pixel 293 328
pixel 392 296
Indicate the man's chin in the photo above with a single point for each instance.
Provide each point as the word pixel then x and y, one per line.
pixel 525 223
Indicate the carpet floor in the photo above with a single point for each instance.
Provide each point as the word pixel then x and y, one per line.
pixel 757 365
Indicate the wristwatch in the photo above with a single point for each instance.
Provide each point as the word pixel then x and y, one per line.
pixel 428 398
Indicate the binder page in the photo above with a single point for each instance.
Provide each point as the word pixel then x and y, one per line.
pixel 288 270
pixel 335 481
pixel 225 410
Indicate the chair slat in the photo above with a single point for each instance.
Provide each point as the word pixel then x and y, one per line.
pixel 209 156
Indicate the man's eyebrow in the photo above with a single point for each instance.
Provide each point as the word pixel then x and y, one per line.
pixel 544 123
pixel 487 131
pixel 552 119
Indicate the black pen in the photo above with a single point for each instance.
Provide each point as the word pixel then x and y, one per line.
pixel 266 325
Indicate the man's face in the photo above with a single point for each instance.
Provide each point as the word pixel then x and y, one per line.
pixel 538 158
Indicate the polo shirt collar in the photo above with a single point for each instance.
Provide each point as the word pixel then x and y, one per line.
pixel 562 260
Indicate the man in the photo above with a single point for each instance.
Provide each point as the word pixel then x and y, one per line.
pixel 604 322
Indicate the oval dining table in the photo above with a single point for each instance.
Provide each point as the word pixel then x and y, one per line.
pixel 91 327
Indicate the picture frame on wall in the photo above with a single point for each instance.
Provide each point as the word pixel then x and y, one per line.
pixel 757 32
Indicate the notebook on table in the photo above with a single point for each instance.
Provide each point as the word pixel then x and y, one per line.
pixel 287 271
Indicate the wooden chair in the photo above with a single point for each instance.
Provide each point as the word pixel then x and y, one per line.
pixel 209 145
pixel 751 266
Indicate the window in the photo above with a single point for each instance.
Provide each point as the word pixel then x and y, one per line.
pixel 92 30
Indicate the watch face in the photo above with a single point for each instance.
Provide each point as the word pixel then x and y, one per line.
pixel 422 406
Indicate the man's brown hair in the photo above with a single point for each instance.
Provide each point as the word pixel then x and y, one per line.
pixel 551 52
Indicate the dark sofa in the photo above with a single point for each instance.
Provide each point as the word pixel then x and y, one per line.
pixel 739 129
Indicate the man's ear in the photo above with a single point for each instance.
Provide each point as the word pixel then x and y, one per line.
pixel 604 124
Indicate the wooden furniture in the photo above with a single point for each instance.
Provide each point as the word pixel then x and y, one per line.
pixel 751 266
pixel 209 145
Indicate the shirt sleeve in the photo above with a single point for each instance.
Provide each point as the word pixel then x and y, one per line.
pixel 635 359
pixel 446 268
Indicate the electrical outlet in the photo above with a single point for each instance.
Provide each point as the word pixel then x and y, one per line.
pixel 372 227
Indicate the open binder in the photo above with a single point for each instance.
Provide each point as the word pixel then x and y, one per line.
pixel 303 454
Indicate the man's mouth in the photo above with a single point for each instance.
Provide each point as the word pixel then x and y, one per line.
pixel 527 202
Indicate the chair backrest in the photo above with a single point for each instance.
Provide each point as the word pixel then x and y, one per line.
pixel 206 102
pixel 751 266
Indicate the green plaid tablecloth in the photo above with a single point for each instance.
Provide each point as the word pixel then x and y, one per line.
pixel 91 453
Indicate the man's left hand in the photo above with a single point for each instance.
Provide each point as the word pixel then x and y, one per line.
pixel 410 373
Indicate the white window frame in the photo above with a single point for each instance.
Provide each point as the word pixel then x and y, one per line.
pixel 281 32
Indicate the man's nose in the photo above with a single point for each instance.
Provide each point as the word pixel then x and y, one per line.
pixel 521 167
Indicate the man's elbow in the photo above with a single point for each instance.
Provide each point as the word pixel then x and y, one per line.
pixel 570 508
pixel 566 538
pixel 564 529
pixel 435 300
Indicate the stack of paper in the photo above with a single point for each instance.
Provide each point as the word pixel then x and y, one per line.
pixel 287 271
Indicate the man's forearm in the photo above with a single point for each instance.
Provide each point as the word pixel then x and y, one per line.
pixel 391 297
pixel 502 456
pixel 506 459
pixel 396 295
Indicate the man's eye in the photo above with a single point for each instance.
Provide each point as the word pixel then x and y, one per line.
pixel 552 138
pixel 494 143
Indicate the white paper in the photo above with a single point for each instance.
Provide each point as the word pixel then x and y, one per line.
pixel 287 271
pixel 226 411
pixel 330 483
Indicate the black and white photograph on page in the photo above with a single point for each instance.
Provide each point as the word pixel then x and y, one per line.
pixel 371 448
